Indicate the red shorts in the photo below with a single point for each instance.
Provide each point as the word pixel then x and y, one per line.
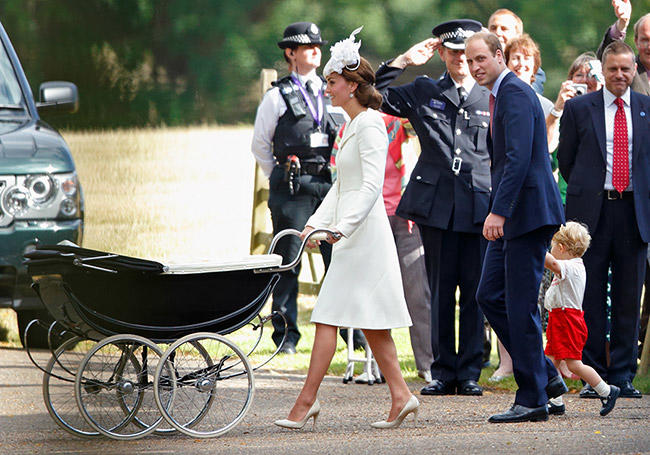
pixel 566 333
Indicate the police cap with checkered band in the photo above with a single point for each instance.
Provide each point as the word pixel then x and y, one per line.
pixel 454 33
pixel 300 34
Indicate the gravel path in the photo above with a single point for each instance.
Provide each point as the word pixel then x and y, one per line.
pixel 445 425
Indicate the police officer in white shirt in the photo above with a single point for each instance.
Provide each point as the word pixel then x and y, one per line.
pixel 294 132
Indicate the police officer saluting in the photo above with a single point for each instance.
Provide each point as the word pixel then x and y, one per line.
pixel 292 141
pixel 447 195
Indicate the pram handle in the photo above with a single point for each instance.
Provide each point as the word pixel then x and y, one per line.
pixel 316 234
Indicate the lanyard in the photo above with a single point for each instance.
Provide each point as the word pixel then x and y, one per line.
pixel 316 112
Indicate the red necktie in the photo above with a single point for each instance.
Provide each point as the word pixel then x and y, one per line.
pixel 492 101
pixel 621 165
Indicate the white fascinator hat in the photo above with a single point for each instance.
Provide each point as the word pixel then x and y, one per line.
pixel 344 54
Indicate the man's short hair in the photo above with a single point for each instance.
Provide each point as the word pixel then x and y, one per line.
pixel 488 38
pixel 575 238
pixel 617 47
pixel 506 11
pixel 638 24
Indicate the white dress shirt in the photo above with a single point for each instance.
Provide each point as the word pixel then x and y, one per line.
pixel 610 112
pixel 269 112
pixel 568 288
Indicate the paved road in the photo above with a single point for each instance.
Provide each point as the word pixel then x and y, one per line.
pixel 446 425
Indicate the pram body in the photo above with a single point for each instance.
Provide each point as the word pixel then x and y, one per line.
pixel 130 380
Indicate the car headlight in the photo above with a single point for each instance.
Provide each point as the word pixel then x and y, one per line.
pixel 16 201
pixel 42 196
pixel 42 189
pixel 68 207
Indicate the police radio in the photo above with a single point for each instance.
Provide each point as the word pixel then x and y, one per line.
pixel 293 99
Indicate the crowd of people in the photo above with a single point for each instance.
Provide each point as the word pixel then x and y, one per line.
pixel 508 183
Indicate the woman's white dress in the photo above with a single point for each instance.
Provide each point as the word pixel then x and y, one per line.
pixel 363 285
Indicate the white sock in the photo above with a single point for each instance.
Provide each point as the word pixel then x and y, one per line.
pixel 557 401
pixel 602 389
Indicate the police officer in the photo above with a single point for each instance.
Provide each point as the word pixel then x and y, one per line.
pixel 447 195
pixel 292 141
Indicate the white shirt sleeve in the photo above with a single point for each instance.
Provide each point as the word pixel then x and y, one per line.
pixel 269 111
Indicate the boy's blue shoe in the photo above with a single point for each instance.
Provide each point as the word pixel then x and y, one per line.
pixel 610 401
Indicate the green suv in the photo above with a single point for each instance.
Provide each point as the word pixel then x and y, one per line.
pixel 41 201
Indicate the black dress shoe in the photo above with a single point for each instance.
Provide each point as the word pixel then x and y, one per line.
pixel 556 387
pixel 610 401
pixel 288 348
pixel 469 387
pixel 588 392
pixel 439 387
pixel 556 409
pixel 628 390
pixel 519 413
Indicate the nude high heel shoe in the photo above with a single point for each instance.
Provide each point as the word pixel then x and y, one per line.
pixel 411 406
pixel 313 412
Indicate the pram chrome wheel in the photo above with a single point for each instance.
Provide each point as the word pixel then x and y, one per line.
pixel 58 386
pixel 205 396
pixel 114 387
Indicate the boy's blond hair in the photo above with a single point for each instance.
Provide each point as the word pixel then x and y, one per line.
pixel 575 238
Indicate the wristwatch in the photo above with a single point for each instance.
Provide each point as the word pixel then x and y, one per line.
pixel 555 113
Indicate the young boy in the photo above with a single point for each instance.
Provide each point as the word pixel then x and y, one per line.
pixel 566 332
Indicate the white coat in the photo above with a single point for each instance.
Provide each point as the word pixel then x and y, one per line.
pixel 363 285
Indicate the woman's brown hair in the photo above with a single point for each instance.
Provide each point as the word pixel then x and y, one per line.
pixel 364 76
pixel 526 44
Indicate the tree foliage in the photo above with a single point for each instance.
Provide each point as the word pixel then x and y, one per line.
pixel 174 62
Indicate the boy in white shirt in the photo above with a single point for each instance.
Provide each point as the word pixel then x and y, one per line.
pixel 566 332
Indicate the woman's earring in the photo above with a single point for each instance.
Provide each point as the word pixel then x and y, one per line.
pixel 351 94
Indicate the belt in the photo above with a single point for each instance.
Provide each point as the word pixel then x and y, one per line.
pixel 614 195
pixel 309 168
pixel 312 168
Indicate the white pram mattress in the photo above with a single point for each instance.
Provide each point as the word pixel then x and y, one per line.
pixel 257 261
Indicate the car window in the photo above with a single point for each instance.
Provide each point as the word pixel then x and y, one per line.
pixel 10 93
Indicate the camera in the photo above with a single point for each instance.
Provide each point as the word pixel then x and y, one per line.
pixel 580 89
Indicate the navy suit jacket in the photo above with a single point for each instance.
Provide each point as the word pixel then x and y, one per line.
pixel 446 128
pixel 523 188
pixel 582 158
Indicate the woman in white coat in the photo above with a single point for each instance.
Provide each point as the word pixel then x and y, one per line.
pixel 363 287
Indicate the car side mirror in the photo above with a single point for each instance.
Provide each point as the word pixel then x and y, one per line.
pixel 58 96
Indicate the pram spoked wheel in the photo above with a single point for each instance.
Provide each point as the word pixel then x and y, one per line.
pixel 114 387
pixel 206 396
pixel 58 387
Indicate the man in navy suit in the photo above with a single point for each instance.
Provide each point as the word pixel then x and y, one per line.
pixel 525 211
pixel 604 155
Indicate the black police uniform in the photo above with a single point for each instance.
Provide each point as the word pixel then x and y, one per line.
pixel 448 197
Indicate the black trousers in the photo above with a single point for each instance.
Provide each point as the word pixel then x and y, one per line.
pixel 616 243
pixel 454 260
pixel 292 212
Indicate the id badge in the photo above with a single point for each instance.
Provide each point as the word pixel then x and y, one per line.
pixel 319 140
